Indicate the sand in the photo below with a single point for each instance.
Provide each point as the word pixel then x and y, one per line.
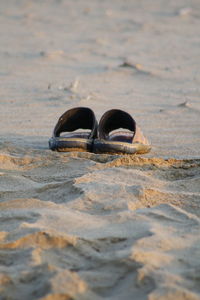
pixel 86 226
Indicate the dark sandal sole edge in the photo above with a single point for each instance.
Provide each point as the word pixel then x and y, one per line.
pixel 69 145
pixel 100 146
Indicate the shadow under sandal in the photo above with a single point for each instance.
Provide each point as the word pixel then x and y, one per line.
pixel 112 138
pixel 72 121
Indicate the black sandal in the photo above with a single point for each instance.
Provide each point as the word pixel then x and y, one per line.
pixel 110 140
pixel 71 120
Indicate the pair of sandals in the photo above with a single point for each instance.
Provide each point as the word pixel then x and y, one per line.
pixel 106 137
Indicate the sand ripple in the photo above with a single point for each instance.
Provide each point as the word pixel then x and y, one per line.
pixel 84 226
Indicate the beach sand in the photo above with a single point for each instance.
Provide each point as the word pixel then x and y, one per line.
pixel 87 226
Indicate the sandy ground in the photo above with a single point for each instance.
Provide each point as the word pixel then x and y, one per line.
pixel 86 226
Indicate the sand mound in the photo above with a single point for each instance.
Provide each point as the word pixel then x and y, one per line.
pixel 93 227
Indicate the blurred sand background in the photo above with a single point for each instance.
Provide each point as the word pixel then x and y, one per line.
pixel 86 226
